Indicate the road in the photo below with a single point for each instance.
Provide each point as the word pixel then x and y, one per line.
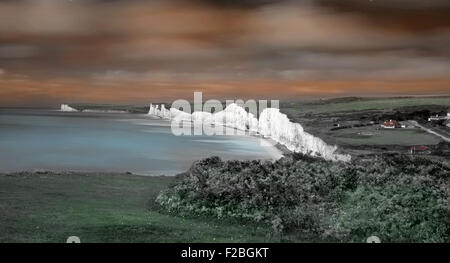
pixel 430 131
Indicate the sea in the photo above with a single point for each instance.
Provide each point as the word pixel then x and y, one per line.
pixel 51 140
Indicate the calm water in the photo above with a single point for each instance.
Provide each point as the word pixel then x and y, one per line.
pixel 52 140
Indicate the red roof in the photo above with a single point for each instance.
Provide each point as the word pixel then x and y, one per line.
pixel 391 123
pixel 419 148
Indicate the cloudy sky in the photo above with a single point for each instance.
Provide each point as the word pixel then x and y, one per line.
pixel 137 51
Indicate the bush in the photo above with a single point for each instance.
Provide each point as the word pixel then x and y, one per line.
pixel 397 198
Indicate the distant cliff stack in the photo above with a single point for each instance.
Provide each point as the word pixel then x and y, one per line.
pixel 67 108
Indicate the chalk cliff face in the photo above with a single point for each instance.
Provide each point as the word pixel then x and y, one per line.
pixel 176 114
pixel 161 111
pixel 272 124
pixel 276 125
pixel 67 108
pixel 236 117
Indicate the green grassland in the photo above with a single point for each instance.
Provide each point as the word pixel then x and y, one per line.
pixel 361 104
pixel 319 116
pixel 307 106
pixel 372 136
pixel 102 208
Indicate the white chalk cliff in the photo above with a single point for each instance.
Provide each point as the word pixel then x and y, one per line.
pixel 67 108
pixel 272 124
pixel 161 111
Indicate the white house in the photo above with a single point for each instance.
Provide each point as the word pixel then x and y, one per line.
pixel 437 118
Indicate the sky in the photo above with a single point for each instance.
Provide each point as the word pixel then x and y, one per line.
pixel 137 51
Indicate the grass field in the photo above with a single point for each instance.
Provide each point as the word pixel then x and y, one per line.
pixel 361 104
pixel 102 208
pixel 372 136
pixel 319 116
pixel 308 106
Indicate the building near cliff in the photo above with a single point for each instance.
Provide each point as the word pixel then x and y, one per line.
pixel 420 150
pixel 438 117
pixel 391 124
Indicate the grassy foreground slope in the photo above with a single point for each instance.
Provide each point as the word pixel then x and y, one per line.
pixel 101 208
pixel 295 199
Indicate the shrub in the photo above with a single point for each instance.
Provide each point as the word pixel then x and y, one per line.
pixel 398 198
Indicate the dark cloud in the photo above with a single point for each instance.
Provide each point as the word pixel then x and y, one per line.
pixel 52 47
pixel 406 15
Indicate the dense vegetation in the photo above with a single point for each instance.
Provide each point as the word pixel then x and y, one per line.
pixel 397 198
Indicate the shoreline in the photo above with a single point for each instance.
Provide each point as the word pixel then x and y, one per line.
pixel 45 173
pixel 275 149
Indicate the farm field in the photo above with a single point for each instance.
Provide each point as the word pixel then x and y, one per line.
pixel 321 116
pixel 361 104
pixel 374 136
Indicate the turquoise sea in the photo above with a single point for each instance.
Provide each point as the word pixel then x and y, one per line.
pixel 36 139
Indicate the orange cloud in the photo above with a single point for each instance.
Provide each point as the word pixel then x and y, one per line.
pixel 136 51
